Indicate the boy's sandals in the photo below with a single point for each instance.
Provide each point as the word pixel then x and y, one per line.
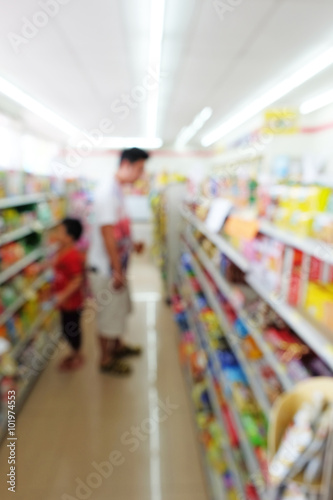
pixel 71 363
pixel 65 363
pixel 117 367
pixel 127 350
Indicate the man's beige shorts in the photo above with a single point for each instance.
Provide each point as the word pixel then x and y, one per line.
pixel 112 306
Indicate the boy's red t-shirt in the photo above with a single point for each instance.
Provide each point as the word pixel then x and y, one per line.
pixel 68 265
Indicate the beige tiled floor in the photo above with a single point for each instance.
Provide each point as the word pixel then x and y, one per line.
pixel 72 420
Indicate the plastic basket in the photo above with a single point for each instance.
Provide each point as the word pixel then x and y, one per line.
pixel 284 410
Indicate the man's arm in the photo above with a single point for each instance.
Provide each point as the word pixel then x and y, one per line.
pixel 112 250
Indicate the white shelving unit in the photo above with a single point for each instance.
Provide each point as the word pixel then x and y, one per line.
pixel 316 248
pixel 22 232
pixel 217 412
pixel 229 293
pixel 36 328
pixel 247 450
pixel 36 254
pixel 314 335
pixel 25 199
pixel 11 310
pixel 49 345
pixel 223 245
pixel 309 333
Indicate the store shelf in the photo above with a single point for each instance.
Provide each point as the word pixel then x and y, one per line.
pixel 19 347
pixel 233 339
pixel 25 390
pixel 279 369
pixel 225 288
pixel 221 243
pixel 214 479
pixel 15 235
pixel 21 264
pixel 26 199
pixel 218 414
pixel 34 227
pixel 249 455
pixel 310 246
pixel 8 313
pixel 319 341
pixel 228 292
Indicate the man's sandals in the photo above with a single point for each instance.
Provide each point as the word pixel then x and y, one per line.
pixel 117 367
pixel 127 351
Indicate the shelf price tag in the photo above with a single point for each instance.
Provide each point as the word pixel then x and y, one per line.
pixel 219 211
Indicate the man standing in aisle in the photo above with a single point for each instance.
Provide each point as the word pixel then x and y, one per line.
pixel 108 258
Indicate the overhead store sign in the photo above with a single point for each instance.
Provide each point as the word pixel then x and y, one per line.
pixel 281 121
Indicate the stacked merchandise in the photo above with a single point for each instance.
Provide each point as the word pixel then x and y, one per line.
pixel 263 299
pixel 165 199
pixel 27 319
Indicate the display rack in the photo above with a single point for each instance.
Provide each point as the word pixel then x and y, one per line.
pixel 43 332
pixel 214 372
pixel 310 246
pixel 212 284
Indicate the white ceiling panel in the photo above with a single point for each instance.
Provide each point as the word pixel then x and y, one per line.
pixel 93 54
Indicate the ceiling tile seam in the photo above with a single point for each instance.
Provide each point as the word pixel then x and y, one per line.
pixel 87 77
pixel 249 42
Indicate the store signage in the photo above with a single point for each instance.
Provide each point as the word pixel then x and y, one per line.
pixel 281 121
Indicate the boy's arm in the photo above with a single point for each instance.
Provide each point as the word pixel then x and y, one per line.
pixel 111 247
pixel 72 287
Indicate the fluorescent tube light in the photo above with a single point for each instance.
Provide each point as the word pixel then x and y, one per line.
pixel 186 133
pixel 130 142
pixel 318 102
pixel 17 95
pixel 155 51
pixel 273 95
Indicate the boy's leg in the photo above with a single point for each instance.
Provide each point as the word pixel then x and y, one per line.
pixel 71 323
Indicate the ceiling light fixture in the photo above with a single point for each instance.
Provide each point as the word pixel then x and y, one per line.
pixel 130 142
pixel 295 80
pixel 29 103
pixel 155 52
pixel 318 102
pixel 186 133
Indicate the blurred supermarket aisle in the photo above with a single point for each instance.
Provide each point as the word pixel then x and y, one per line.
pixel 88 435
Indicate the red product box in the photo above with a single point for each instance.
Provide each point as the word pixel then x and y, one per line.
pixel 316 269
pixel 294 293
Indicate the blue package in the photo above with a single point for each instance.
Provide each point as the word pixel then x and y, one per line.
pixel 235 374
pixel 240 328
pixel 227 358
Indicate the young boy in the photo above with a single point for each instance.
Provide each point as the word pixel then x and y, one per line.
pixel 69 278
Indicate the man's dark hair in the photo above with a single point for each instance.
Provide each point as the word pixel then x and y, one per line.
pixel 73 228
pixel 134 154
